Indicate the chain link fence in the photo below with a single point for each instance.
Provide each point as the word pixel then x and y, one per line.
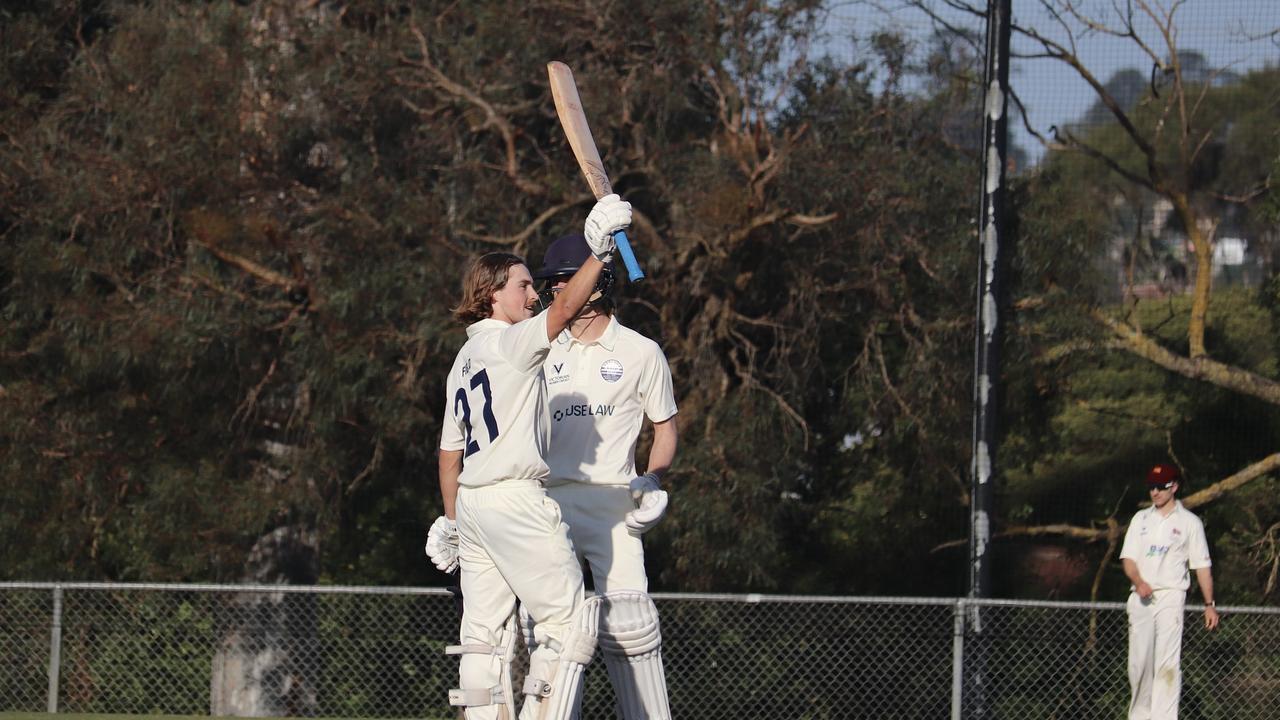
pixel 379 652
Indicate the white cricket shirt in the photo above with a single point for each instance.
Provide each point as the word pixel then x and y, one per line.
pixel 1165 547
pixel 599 395
pixel 495 402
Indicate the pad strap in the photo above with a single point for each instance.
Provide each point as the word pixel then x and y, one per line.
pixel 469 697
pixel 476 649
pixel 499 694
pixel 536 687
pixel 473 697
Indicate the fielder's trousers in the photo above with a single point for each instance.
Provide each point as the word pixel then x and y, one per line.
pixel 1155 654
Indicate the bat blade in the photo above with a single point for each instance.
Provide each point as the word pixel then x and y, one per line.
pixel 564 91
pixel 574 121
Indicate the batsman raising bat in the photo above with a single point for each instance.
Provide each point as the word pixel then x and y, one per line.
pixel 603 380
pixel 499 528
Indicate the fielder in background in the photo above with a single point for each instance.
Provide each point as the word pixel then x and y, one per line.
pixel 1162 542
pixel 603 381
pixel 508 539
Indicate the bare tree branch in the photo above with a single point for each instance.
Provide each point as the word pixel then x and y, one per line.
pixel 494 118
pixel 1233 482
pixel 1200 368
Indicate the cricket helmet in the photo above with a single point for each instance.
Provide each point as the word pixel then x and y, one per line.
pixel 564 256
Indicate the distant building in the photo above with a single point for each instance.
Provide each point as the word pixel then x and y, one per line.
pixel 1158 260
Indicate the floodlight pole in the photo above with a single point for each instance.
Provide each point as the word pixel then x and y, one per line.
pixel 992 249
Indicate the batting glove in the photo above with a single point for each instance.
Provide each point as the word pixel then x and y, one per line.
pixel 442 544
pixel 651 504
pixel 610 215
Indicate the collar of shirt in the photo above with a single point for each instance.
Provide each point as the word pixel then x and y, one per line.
pixel 607 340
pixel 480 326
pixel 1156 516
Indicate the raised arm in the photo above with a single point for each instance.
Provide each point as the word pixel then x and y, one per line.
pixel 572 297
pixel 610 214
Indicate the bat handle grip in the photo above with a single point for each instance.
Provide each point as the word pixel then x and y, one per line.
pixel 634 272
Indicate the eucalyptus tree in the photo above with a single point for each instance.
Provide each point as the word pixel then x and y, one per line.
pixel 1113 378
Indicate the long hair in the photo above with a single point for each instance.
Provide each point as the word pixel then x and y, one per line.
pixel 487 275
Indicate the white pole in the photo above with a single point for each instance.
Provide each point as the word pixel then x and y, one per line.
pixel 55 648
pixel 957 659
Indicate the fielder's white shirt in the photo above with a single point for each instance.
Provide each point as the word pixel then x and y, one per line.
pixel 599 394
pixel 1165 547
pixel 495 402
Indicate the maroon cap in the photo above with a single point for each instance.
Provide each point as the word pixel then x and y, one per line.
pixel 1162 476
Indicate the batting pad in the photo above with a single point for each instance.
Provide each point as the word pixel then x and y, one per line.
pixel 485 674
pixel 632 645
pixel 558 698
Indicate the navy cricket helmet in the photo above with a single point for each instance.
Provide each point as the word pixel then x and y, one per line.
pixel 564 256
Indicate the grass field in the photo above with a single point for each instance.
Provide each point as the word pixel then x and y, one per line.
pixel 83 716
pixel 89 716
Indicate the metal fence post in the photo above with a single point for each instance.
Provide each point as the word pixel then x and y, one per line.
pixel 55 648
pixel 957 658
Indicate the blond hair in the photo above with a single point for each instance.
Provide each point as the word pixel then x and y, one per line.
pixel 487 275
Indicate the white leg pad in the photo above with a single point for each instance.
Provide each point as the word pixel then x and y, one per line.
pixel 632 645
pixel 553 689
pixel 484 687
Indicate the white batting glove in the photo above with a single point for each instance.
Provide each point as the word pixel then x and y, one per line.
pixel 610 215
pixel 651 504
pixel 442 544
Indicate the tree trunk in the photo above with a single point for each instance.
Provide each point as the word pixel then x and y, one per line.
pixel 1204 274
pixel 266 663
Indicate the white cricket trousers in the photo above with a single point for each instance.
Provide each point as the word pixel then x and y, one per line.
pixel 512 544
pixel 1155 654
pixel 595 515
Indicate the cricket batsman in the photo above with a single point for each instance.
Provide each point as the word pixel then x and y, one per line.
pixel 499 528
pixel 604 380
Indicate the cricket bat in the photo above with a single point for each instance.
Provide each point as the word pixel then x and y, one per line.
pixel 574 121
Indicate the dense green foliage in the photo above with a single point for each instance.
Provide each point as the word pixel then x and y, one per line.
pixel 1087 412
pixel 232 234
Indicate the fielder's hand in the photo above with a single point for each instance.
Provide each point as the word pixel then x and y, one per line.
pixel 651 504
pixel 1143 589
pixel 610 215
pixel 1211 617
pixel 442 544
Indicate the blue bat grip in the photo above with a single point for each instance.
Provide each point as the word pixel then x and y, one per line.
pixel 634 272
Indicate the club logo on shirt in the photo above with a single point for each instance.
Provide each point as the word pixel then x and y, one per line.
pixel 611 370
pixel 582 410
pixel 1175 532
pixel 466 368
pixel 559 376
